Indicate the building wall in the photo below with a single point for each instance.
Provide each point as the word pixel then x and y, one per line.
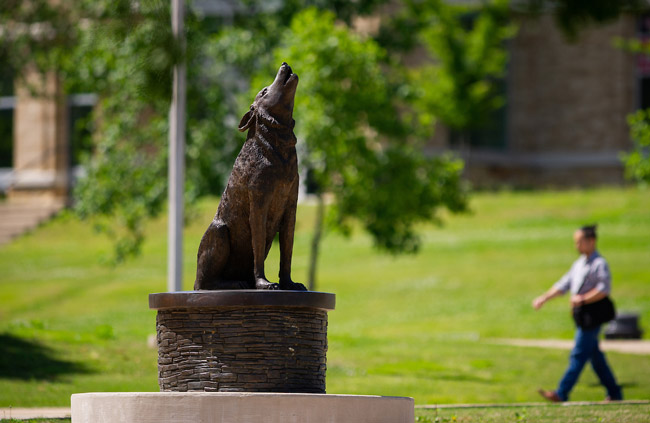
pixel 570 97
pixel 567 108
pixel 41 141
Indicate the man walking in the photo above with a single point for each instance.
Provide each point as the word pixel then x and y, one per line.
pixel 589 281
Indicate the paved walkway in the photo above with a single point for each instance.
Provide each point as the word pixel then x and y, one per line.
pixel 622 346
pixel 18 217
pixel 35 413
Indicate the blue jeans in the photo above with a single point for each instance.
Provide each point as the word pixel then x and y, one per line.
pixel 586 349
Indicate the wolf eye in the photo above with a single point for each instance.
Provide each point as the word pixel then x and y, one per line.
pixel 264 91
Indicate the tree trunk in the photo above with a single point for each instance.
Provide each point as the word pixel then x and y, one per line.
pixel 315 241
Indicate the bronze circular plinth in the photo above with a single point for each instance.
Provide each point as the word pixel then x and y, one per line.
pixel 242 341
pixel 242 297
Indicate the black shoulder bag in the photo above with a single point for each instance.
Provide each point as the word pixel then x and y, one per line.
pixel 590 316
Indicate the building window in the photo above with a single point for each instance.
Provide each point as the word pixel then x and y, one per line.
pixel 80 124
pixel 492 135
pixel 6 117
pixel 643 63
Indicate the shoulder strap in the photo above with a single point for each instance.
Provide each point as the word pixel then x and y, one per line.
pixel 583 275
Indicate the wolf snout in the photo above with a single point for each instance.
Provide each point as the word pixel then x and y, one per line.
pixel 286 73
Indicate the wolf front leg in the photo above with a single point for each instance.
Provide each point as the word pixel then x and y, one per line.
pixel 259 202
pixel 287 230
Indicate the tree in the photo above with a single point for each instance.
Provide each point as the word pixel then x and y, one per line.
pixel 356 143
pixel 460 87
pixel 354 118
pixel 637 162
pixel 124 51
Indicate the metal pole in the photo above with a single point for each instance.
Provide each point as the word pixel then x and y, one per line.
pixel 176 160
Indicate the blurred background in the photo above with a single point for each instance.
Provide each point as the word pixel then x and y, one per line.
pixel 447 151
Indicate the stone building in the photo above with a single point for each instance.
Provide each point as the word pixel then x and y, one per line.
pixel 37 183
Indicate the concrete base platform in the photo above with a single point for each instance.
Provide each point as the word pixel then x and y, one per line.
pixel 222 407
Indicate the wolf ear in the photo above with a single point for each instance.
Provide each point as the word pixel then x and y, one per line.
pixel 247 120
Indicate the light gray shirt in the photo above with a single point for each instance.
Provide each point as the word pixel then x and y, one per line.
pixel 593 270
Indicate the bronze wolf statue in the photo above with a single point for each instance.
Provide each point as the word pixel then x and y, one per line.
pixel 259 200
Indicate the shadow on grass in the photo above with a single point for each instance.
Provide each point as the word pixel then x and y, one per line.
pixel 25 359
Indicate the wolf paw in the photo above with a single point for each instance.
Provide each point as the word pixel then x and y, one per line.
pixel 261 283
pixel 292 286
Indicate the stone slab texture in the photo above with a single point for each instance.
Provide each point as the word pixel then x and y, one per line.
pixel 242 341
pixel 203 407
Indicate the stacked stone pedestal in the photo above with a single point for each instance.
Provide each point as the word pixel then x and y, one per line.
pixel 242 341
pixel 241 357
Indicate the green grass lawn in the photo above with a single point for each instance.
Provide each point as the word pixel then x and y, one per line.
pixel 606 413
pixel 417 326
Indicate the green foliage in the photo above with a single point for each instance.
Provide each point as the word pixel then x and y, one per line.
pixel 84 41
pixel 356 143
pixel 637 162
pixel 126 179
pixel 124 51
pixel 401 189
pixel 461 87
pixel 354 105
pixel 35 33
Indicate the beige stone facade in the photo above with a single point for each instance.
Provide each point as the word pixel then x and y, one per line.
pixel 567 104
pixel 41 142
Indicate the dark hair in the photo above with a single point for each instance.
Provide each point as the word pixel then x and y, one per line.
pixel 589 231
